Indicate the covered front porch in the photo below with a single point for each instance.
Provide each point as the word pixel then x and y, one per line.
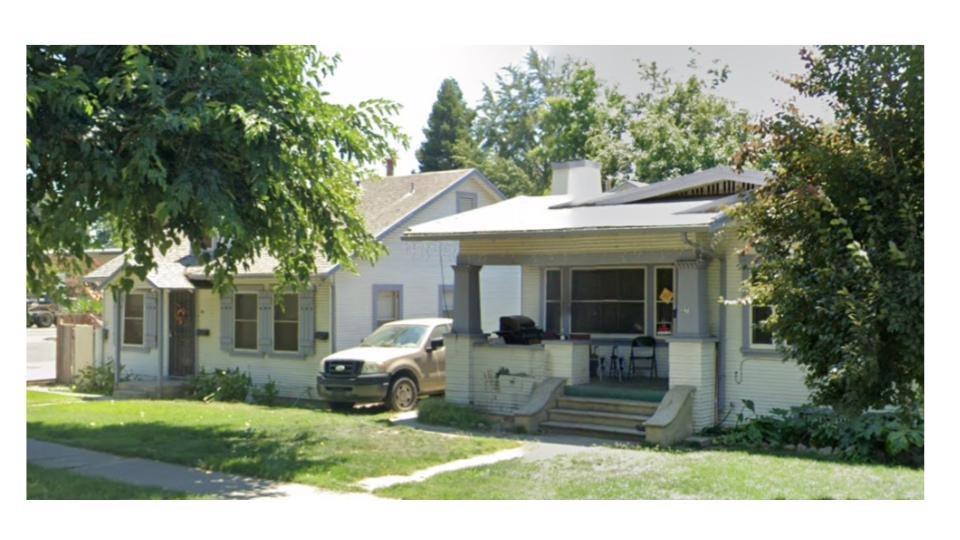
pixel 592 305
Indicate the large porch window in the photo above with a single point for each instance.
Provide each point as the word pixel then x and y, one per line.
pixel 665 299
pixel 552 302
pixel 608 301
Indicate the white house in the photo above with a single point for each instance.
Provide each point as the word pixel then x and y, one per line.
pixel 246 329
pixel 599 270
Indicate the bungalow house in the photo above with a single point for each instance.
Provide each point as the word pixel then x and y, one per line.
pixel 598 270
pixel 172 324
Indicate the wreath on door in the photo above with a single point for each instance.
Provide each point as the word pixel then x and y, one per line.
pixel 180 315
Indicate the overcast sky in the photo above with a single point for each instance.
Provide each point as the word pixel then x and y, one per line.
pixel 411 76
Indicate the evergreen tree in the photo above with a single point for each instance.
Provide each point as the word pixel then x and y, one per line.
pixel 449 123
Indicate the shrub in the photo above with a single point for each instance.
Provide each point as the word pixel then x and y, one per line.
pixel 439 412
pixel 875 437
pixel 266 394
pixel 97 380
pixel 219 385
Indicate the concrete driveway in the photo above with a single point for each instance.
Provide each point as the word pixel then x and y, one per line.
pixel 41 353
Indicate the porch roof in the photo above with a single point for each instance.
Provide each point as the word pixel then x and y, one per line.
pixel 541 215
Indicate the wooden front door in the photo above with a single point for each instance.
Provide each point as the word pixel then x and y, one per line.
pixel 183 331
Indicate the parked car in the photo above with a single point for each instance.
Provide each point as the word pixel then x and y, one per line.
pixel 395 364
pixel 41 311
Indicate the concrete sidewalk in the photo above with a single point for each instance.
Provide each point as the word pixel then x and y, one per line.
pixel 145 472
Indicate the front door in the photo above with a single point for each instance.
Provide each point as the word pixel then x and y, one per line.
pixel 183 324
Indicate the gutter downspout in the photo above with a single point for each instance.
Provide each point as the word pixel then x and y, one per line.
pixel 700 250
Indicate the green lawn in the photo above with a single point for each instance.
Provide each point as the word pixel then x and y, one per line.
pixel 321 448
pixel 43 483
pixel 661 474
pixel 43 398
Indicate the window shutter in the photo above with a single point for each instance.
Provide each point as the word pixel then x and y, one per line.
pixel 307 320
pixel 150 320
pixel 265 321
pixel 226 322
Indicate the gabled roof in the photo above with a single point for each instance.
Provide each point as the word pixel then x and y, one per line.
pixel 385 204
pixel 675 185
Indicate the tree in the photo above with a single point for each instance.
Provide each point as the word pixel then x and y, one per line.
pixel 838 230
pixel 670 129
pixel 449 123
pixel 158 143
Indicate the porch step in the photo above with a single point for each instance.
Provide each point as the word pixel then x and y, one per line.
pixel 621 406
pixel 600 418
pixel 591 430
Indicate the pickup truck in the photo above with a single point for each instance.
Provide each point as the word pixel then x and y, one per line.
pixel 395 365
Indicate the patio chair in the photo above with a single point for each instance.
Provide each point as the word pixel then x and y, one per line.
pixel 643 349
pixel 617 366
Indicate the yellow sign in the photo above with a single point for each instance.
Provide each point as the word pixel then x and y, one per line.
pixel 666 296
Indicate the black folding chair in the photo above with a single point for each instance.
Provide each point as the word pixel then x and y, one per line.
pixel 644 349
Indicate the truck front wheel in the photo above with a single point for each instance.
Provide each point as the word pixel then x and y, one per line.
pixel 403 394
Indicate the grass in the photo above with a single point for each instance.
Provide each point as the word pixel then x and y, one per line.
pixel 321 448
pixel 661 474
pixel 44 398
pixel 438 412
pixel 43 483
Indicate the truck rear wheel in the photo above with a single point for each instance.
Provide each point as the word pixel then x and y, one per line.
pixel 403 394
pixel 43 319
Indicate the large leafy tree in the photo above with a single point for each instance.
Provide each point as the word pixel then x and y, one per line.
pixel 673 127
pixel 449 124
pixel 160 143
pixel 838 231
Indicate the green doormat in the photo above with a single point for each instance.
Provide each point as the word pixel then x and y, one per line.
pixel 615 392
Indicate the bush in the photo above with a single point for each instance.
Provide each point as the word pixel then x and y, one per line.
pixel 439 412
pixel 97 380
pixel 873 437
pixel 266 394
pixel 219 385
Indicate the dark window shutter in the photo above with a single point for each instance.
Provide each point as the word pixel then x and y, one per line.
pixel 226 322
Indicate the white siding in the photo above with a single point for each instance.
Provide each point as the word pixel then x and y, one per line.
pixel 766 380
pixel 421 267
pixel 295 377
pixel 137 363
pixel 531 293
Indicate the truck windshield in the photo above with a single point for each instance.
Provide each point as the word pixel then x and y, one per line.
pixel 398 335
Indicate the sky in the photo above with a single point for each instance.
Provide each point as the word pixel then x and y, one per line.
pixel 411 76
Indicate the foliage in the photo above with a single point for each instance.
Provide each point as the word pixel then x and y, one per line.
pixel 84 305
pixel 838 231
pixel 881 437
pixel 219 385
pixel 266 394
pixel 439 412
pixel 157 143
pixel 97 380
pixel 448 124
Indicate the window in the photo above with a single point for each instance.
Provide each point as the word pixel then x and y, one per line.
pixel 608 301
pixel 439 332
pixel 665 298
pixel 286 323
pixel 133 320
pixel 760 336
pixel 245 322
pixel 466 201
pixel 387 304
pixel 552 301
pixel 445 309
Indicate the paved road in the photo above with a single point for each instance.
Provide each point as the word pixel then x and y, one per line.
pixel 41 353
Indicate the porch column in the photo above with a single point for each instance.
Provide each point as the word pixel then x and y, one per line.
pixel 466 299
pixel 692 348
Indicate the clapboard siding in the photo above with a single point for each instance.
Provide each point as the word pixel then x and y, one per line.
pixel 569 244
pixel 421 267
pixel 766 380
pixel 295 377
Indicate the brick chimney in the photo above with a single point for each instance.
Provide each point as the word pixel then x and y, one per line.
pixel 390 164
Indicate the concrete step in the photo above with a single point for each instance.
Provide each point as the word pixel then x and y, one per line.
pixel 600 418
pixel 591 430
pixel 622 406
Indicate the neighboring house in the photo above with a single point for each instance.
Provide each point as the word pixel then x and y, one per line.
pixel 247 329
pixel 650 260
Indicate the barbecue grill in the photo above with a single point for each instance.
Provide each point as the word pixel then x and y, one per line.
pixel 519 330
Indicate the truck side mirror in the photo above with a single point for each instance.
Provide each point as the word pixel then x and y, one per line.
pixel 436 343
